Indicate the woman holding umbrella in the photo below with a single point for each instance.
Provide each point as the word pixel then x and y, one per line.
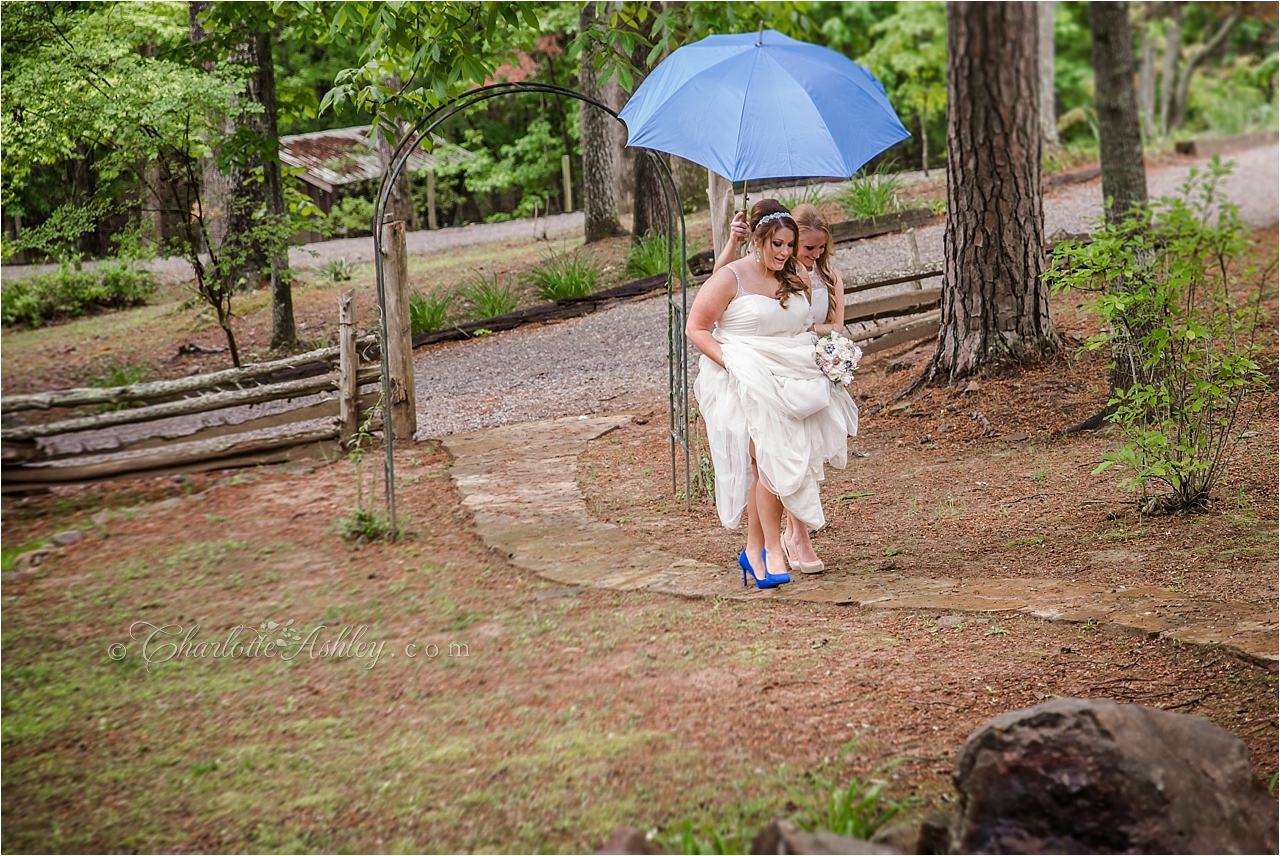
pixel 772 417
pixel 826 300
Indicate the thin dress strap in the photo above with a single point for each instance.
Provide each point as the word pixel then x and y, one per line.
pixel 741 290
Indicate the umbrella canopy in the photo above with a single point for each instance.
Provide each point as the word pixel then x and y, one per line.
pixel 762 106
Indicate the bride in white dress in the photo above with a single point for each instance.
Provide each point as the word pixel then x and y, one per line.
pixel 772 418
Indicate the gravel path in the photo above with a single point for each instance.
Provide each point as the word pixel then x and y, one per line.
pixel 618 357
pixel 319 254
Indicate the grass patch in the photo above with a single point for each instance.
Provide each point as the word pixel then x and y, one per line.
pixel 872 194
pixel 807 195
pixel 428 312
pixel 565 275
pixel 489 296
pixel 647 256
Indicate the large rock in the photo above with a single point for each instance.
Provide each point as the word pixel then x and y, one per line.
pixel 1094 776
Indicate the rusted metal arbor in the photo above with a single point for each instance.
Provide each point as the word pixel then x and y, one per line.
pixel 677 304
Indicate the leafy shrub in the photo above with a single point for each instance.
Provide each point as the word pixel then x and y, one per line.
pixel 1163 293
pixel 428 312
pixel 1233 100
pixel 565 275
pixel 871 195
pixel 647 256
pixel 351 217
pixel 489 296
pixel 363 523
pixel 70 293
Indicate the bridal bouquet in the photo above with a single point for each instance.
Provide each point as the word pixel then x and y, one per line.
pixel 837 357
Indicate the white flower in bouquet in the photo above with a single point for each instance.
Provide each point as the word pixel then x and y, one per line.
pixel 837 357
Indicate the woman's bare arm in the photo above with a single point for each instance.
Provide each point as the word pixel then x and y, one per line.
pixel 738 232
pixel 837 323
pixel 713 298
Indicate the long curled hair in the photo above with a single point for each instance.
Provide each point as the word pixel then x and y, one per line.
pixel 789 280
pixel 809 217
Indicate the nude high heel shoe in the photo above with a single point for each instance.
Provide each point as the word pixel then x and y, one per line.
pixel 803 567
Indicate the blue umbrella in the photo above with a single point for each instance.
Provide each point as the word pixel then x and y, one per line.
pixel 762 106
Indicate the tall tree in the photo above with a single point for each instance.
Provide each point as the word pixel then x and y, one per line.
pixel 995 306
pixel 1124 177
pixel 1169 66
pixel 599 170
pixel 248 160
pixel 1048 108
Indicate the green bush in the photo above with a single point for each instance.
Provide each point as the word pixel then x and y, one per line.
pixel 489 296
pixel 565 275
pixel 351 217
pixel 1163 293
pixel 873 194
pixel 70 293
pixel 428 312
pixel 648 256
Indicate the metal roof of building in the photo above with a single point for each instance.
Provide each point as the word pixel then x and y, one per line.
pixel 344 156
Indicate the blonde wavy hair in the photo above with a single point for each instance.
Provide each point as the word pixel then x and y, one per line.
pixel 809 217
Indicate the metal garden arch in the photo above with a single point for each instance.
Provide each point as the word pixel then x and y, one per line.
pixel 677 346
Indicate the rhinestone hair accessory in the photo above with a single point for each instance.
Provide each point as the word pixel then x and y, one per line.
pixel 776 215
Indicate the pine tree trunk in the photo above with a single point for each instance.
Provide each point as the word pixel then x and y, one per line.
pixel 400 201
pixel 1044 64
pixel 994 305
pixel 1124 178
pixel 599 171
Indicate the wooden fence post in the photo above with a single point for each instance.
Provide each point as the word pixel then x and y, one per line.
pixel 401 397
pixel 566 171
pixel 432 223
pixel 915 256
pixel 348 365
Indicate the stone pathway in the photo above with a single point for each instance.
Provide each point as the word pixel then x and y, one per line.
pixel 520 482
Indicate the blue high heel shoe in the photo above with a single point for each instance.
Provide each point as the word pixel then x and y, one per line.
pixel 769 581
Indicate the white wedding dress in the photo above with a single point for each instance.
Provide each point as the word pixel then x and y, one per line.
pixel 772 396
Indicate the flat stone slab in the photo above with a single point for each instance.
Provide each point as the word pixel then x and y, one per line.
pixel 520 483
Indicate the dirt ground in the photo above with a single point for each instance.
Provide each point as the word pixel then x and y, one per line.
pixel 576 711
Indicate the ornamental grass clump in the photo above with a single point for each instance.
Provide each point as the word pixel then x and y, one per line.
pixel 1174 326
pixel 565 275
pixel 489 296
pixel 428 312
pixel 648 256
pixel 873 194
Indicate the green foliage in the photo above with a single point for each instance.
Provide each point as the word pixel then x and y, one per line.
pixel 871 194
pixel 428 312
pixel 489 296
pixel 117 371
pixel 858 809
pixel 339 270
pixel 1235 99
pixel 350 217
pixel 691 842
pixel 1164 295
pixel 565 275
pixel 809 194
pixel 909 56
pixel 648 256
pixel 69 293
pixel 58 237
pixel 363 524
